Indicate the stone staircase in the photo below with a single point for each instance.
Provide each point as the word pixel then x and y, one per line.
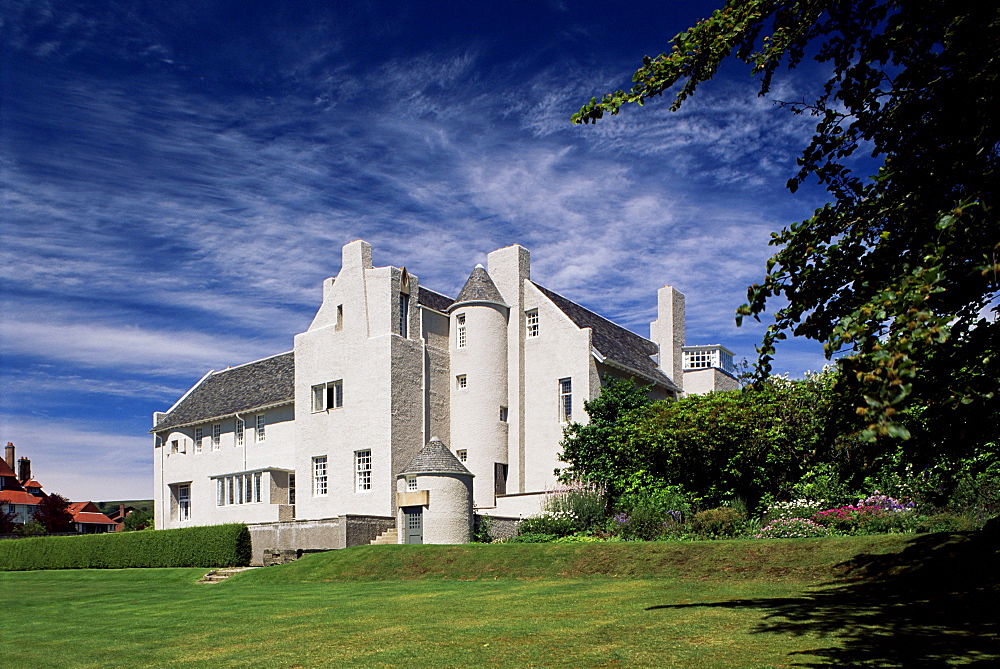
pixel 390 536
pixel 220 575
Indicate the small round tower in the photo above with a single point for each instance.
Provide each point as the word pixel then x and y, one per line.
pixel 434 496
pixel 479 394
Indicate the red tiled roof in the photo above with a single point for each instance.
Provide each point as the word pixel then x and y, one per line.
pixel 32 484
pixel 5 469
pixel 94 518
pixel 18 497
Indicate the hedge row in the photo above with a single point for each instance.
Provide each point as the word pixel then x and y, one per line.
pixel 208 546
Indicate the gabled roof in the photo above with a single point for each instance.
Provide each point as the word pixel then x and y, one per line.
pixel 435 458
pixel 92 518
pixel 19 497
pixel 433 300
pixel 5 469
pixel 255 385
pixel 479 288
pixel 613 342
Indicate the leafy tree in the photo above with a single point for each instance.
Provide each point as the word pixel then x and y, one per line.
pixel 743 444
pixel 52 512
pixel 138 520
pixel 7 519
pixel 601 451
pixel 900 272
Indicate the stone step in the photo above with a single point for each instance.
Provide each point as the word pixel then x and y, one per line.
pixel 220 575
pixel 390 536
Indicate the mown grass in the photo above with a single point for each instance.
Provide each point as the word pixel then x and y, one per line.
pixel 671 605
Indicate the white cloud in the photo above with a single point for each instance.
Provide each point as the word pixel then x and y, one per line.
pixel 83 462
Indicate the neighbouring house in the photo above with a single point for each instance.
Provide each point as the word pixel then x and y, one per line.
pixel 319 447
pixel 88 519
pixel 20 494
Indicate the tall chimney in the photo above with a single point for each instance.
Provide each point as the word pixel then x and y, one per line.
pixel 24 469
pixel 8 454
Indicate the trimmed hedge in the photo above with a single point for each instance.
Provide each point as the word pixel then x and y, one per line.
pixel 207 546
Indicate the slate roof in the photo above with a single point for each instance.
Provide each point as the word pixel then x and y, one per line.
pixel 434 300
pixel 612 341
pixel 479 288
pixel 255 385
pixel 435 458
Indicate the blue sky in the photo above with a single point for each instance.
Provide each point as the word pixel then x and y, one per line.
pixel 178 179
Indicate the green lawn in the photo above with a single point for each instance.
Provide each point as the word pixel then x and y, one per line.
pixel 794 608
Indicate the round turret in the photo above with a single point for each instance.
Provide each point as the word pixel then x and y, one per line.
pixel 434 495
pixel 479 383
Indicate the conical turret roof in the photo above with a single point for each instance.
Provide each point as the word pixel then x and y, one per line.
pixel 435 458
pixel 479 288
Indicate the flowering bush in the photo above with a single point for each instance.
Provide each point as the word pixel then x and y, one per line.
pixel 644 524
pixel 792 528
pixel 875 514
pixel 799 508
pixel 887 503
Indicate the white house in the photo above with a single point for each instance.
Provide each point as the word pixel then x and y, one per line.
pixel 312 447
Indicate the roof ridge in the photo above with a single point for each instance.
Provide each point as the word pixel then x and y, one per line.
pixel 252 362
pixel 603 318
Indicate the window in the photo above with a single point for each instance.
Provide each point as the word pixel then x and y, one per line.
pixel 463 455
pixel 239 489
pixel 411 482
pixel 174 446
pixel 183 502
pixel 199 434
pixel 404 315
pixel 363 470
pixel 340 317
pixel 460 335
pixel 259 432
pixel 702 359
pixel 461 382
pixel 216 436
pixel 565 400
pixel 319 475
pixel 239 427
pixel 531 322
pixel 291 488
pixel 327 396
pixel 503 414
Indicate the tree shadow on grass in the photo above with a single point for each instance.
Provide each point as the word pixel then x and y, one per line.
pixel 936 603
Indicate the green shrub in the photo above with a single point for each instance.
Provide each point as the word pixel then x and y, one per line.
pixel 720 523
pixel 557 524
pixel 945 522
pixel 207 546
pixel 585 503
pixel 647 515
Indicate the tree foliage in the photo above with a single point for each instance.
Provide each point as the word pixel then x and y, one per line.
pixel 52 512
pixel 7 519
pixel 899 273
pixel 741 444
